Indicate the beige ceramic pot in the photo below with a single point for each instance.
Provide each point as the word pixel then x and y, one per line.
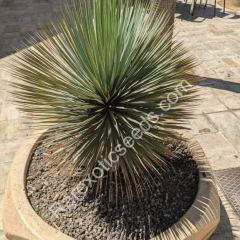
pixel 21 222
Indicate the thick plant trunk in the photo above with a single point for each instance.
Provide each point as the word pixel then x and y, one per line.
pixel 167 6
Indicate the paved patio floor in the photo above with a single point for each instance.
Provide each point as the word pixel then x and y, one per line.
pixel 215 44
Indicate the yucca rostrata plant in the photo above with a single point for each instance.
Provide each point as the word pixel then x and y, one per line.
pixel 96 74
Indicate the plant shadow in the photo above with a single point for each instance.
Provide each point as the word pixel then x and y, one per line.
pixel 201 13
pixel 22 19
pixel 224 226
pixel 219 84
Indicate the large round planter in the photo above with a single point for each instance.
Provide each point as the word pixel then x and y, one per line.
pixel 21 222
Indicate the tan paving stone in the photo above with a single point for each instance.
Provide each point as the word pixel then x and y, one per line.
pixel 228 74
pixel 223 52
pixel 4 169
pixel 229 125
pixel 212 45
pixel 230 61
pixel 2 96
pixel 201 125
pixel 214 64
pixel 237 113
pixel 3 85
pixel 208 72
pixel 209 102
pixel 13 129
pixel 219 151
pixel 1 212
pixel 205 55
pixel 229 98
pixel 7 149
pixel 2 237
pixel 8 112
pixel 8 156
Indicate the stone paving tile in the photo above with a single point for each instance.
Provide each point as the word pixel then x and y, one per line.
pixel 8 156
pixel 13 130
pixel 202 125
pixel 4 169
pixel 219 151
pixel 237 113
pixel 11 145
pixel 8 112
pixel 209 102
pixel 1 210
pixel 2 237
pixel 229 125
pixel 230 99
pixel 231 61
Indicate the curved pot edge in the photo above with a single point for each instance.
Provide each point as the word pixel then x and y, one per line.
pixel 199 222
pixel 18 212
pixel 203 217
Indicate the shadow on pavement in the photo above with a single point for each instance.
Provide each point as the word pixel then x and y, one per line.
pixel 224 226
pixel 219 84
pixel 21 19
pixel 201 13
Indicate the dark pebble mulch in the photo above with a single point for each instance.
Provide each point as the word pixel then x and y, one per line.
pixel 95 219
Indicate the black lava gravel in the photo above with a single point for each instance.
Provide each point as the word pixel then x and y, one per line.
pixel 52 197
